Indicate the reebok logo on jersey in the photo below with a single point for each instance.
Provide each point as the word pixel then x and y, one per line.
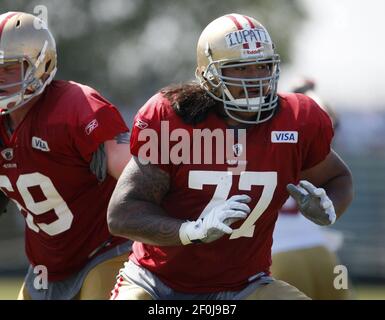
pixel 40 144
pixel 141 124
pixel 91 127
pixel 284 136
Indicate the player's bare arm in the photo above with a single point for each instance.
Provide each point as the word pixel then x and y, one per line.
pixel 118 154
pixel 334 176
pixel 326 190
pixel 134 210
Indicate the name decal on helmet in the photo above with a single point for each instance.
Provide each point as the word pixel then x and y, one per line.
pixel 247 36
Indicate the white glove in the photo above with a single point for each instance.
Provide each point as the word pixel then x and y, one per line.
pixel 313 203
pixel 216 223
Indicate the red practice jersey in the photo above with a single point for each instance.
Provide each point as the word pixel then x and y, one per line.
pixel 45 170
pixel 297 138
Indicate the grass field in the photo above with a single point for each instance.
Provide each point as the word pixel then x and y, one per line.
pixel 9 288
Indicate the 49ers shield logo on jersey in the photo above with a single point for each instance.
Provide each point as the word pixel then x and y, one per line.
pixel 238 149
pixel 7 154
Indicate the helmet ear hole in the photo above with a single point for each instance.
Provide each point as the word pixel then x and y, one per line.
pixel 47 65
pixel 18 23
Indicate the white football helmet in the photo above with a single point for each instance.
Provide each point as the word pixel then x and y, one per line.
pixel 238 40
pixel 25 38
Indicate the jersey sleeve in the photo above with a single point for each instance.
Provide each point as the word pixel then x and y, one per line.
pixel 98 121
pixel 318 130
pixel 147 137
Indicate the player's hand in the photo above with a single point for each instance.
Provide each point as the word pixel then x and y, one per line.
pixel 217 222
pixel 313 202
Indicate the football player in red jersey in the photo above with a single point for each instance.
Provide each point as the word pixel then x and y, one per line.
pixel 62 147
pixel 203 229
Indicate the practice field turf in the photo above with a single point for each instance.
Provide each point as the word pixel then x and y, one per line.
pixel 9 288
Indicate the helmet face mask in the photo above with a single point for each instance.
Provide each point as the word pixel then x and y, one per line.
pixel 34 49
pixel 225 45
pixel 20 90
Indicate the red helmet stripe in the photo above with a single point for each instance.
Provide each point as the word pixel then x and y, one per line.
pixel 2 24
pixel 252 25
pixel 250 22
pixel 239 26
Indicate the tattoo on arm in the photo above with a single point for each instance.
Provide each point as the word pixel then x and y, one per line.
pixel 135 211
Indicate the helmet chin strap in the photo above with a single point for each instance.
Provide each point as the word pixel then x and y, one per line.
pixel 256 121
pixel 253 104
pixel 19 101
pixel 12 99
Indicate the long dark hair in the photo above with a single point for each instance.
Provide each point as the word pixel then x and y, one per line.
pixel 190 101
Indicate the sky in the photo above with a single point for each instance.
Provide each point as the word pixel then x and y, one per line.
pixel 342 47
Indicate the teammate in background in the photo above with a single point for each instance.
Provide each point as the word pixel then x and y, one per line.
pixel 303 252
pixel 62 147
pixel 307 86
pixel 203 229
